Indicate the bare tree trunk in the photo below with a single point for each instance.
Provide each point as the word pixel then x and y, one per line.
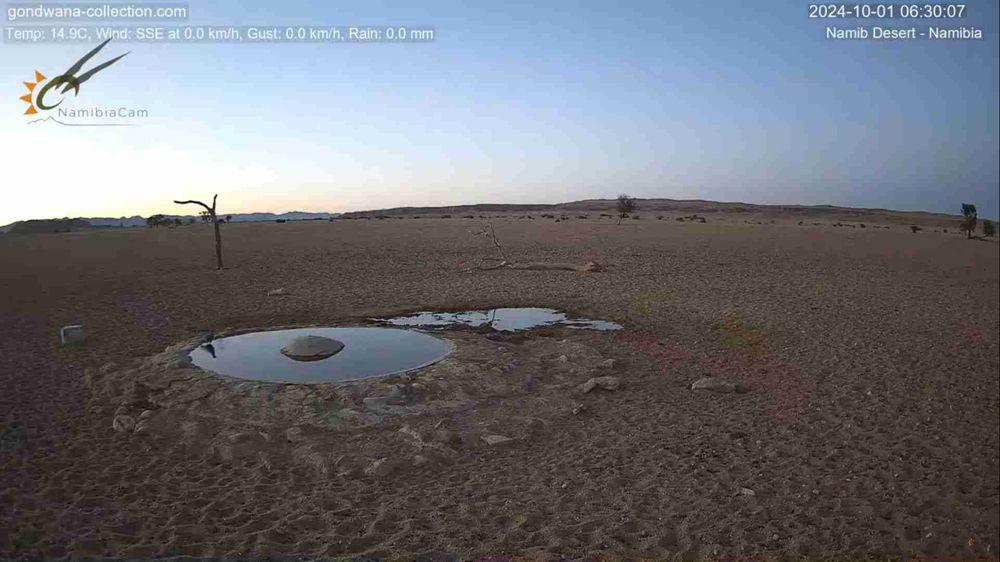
pixel 218 240
pixel 215 224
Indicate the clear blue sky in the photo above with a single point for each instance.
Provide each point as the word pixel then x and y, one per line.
pixel 518 102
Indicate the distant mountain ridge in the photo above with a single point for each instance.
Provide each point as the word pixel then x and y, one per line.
pixel 137 221
pixel 830 212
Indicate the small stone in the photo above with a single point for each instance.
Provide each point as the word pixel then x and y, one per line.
pixel 145 414
pixel 123 423
pixel 447 437
pixel 413 434
pixel 747 492
pixel 72 334
pixel 578 409
pixel 607 364
pixel 495 440
pixel 240 437
pixel 280 291
pixel 719 385
pixel 294 434
pixel 606 383
pixel 562 359
pixel 182 361
pixel 382 468
pixel 311 348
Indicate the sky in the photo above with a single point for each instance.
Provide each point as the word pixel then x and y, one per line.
pixel 515 102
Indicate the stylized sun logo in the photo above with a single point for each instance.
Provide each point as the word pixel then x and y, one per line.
pixel 31 89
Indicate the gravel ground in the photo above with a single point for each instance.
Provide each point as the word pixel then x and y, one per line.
pixel 871 428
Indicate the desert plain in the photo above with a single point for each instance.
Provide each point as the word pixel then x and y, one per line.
pixel 870 428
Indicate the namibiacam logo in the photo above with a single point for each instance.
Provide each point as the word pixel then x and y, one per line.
pixel 36 96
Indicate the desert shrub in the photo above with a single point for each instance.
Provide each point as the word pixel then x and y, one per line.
pixel 914 228
pixel 989 229
pixel 625 206
pixel 446 216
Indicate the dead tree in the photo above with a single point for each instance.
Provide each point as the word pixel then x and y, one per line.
pixel 490 232
pixel 502 262
pixel 215 223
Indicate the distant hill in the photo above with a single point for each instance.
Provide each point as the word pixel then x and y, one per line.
pixel 647 206
pixel 37 226
pixel 48 226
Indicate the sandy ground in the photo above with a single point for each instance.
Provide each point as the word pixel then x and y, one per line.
pixel 871 428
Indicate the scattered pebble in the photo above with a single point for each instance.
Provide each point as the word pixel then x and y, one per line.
pixel 494 440
pixel 606 383
pixel 716 384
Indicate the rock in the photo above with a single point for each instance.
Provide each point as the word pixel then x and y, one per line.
pixel 312 348
pixel 280 291
pixel 578 409
pixel 591 266
pixel 382 468
pixel 536 425
pixel 413 435
pixel 294 434
pixel 562 359
pixel 607 364
pixel 72 334
pixel 496 440
pixel 240 437
pixel 396 397
pixel 716 384
pixel 123 423
pixel 447 438
pixel 606 383
pixel 182 362
pixel 747 492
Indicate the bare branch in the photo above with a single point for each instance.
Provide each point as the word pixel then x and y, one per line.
pixel 215 224
pixel 193 202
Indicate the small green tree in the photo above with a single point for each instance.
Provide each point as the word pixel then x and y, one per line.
pixel 971 218
pixel 624 206
pixel 989 229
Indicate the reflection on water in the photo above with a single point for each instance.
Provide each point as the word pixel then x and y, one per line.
pixel 501 319
pixel 368 352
